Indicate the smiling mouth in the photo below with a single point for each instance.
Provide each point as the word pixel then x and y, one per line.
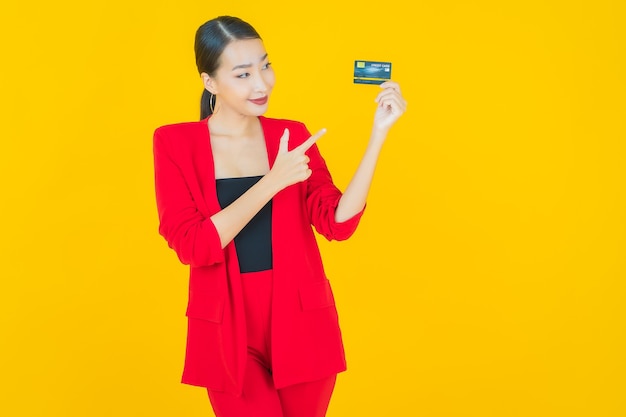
pixel 259 101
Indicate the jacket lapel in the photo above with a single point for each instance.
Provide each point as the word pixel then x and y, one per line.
pixel 272 139
pixel 207 167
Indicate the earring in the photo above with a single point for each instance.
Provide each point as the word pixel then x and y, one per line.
pixel 211 100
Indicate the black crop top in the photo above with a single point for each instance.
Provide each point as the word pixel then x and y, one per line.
pixel 254 242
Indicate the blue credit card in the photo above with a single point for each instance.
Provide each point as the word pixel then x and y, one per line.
pixel 371 72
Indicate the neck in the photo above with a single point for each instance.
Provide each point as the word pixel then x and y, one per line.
pixel 232 125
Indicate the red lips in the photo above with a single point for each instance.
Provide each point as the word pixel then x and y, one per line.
pixel 259 101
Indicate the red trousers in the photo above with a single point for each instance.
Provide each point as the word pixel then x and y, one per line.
pixel 259 398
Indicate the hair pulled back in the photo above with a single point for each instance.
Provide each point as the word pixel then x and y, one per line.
pixel 211 40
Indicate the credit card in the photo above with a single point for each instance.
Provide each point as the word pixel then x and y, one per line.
pixel 371 72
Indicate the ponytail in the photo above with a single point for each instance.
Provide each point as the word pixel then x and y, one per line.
pixel 207 104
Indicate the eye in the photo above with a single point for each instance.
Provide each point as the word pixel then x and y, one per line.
pixel 266 66
pixel 243 75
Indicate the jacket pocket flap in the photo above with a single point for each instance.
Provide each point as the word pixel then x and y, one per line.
pixel 205 306
pixel 316 295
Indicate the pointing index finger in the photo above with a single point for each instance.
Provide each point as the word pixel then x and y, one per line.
pixel 311 141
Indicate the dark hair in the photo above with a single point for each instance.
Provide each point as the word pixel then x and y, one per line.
pixel 211 40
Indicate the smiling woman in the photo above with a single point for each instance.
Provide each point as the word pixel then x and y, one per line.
pixel 237 195
pixel 242 71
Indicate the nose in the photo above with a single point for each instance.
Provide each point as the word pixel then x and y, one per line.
pixel 260 83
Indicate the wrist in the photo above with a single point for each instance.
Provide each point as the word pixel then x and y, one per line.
pixel 270 184
pixel 378 135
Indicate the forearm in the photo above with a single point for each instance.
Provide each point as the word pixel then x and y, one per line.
pixel 354 197
pixel 230 220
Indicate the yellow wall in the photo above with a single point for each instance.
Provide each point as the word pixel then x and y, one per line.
pixel 486 279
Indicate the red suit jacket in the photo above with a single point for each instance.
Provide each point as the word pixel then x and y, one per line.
pixel 306 339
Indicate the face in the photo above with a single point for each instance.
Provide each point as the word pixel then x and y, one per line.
pixel 244 80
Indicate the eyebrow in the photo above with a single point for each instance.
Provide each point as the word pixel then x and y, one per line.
pixel 248 65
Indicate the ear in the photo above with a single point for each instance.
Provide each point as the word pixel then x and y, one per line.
pixel 209 83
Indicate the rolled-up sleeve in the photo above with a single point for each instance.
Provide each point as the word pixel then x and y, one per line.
pixel 323 198
pixel 193 237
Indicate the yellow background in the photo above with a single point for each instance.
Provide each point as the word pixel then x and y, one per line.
pixel 486 278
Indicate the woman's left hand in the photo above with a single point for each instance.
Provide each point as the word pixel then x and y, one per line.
pixel 391 105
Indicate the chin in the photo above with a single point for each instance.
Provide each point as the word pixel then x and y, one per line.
pixel 258 111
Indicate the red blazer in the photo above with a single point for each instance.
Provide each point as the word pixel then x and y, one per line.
pixel 306 339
